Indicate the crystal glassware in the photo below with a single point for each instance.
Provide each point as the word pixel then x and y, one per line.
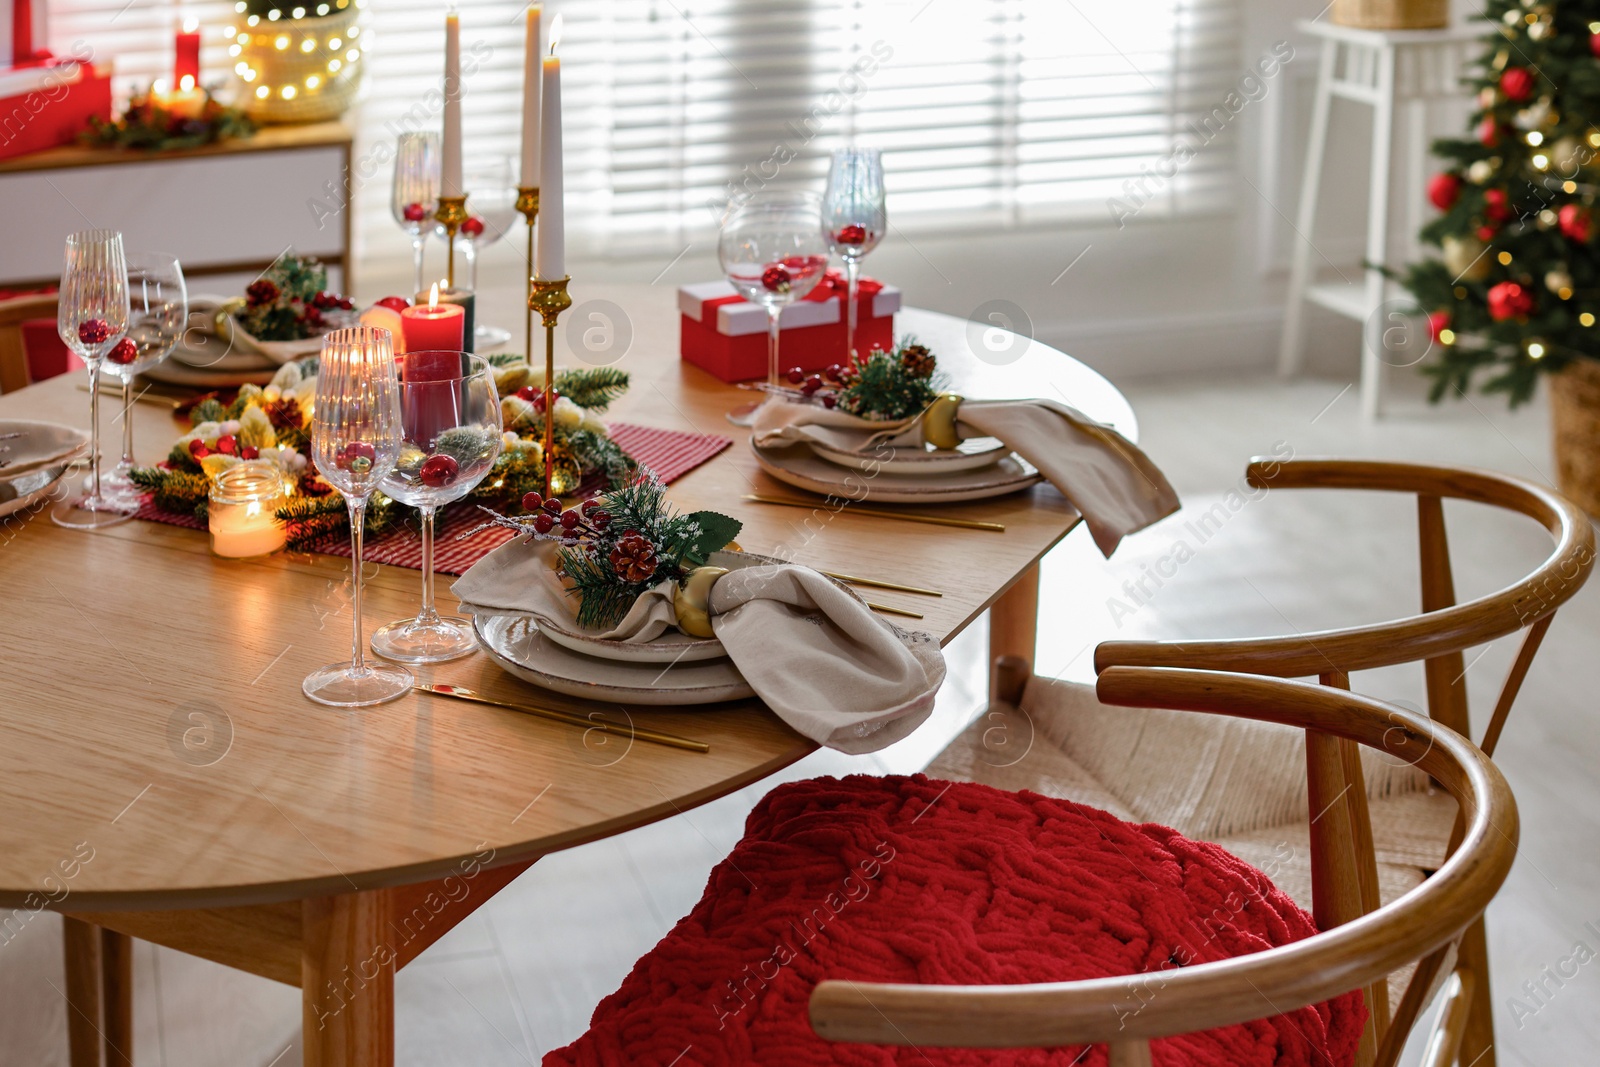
pixel 92 318
pixel 415 195
pixel 158 313
pixel 355 443
pixel 491 213
pixel 853 219
pixel 772 250
pixel 451 427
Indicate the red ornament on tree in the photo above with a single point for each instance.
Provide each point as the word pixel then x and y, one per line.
pixel 1488 132
pixel 415 212
pixel 1509 300
pixel 1517 83
pixel 473 227
pixel 776 278
pixel 1444 189
pixel 438 471
pixel 1438 322
pixel 1576 222
pixel 1486 233
pixel 124 351
pixel 1495 206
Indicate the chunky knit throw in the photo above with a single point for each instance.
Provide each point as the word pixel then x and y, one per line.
pixel 910 879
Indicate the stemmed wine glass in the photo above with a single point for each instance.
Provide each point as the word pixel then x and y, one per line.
pixel 159 310
pixel 451 428
pixel 853 219
pixel 772 250
pixel 415 196
pixel 355 442
pixel 492 211
pixel 91 318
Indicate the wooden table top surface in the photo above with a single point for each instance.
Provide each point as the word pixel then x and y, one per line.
pixel 156 750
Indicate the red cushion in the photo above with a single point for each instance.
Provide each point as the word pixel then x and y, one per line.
pixel 47 354
pixel 914 880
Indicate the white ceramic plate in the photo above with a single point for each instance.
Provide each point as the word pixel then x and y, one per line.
pixel 973 454
pixel 516 644
pixel 798 466
pixel 16 494
pixel 41 445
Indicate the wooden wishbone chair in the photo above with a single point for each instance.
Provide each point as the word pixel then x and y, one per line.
pixel 1125 1013
pixel 13 354
pixel 1437 638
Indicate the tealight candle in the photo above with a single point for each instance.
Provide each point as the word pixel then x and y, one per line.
pixel 242 515
pixel 435 323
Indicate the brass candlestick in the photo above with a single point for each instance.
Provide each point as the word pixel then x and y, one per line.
pixel 452 212
pixel 549 298
pixel 528 207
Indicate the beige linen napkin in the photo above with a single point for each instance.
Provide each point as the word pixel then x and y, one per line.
pixel 1116 487
pixel 816 655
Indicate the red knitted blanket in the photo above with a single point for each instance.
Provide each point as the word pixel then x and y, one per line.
pixel 914 880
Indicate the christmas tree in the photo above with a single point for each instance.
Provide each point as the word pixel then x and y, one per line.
pixel 1517 289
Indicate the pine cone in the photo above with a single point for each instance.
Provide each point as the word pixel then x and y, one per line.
pixel 634 559
pixel 917 361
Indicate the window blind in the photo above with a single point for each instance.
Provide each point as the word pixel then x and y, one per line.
pixel 991 113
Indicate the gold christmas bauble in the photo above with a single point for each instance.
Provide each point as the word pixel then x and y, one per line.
pixel 1464 257
pixel 1559 282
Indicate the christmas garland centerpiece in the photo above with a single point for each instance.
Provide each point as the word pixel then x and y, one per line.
pixel 290 302
pixel 615 547
pixel 885 387
pixel 150 123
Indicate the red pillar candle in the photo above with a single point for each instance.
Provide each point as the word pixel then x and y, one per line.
pixel 187 64
pixel 433 325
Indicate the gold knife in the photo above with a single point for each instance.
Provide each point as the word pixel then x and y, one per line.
pixel 878 583
pixel 570 718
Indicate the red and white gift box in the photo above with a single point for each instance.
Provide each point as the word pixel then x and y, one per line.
pixel 49 103
pixel 727 335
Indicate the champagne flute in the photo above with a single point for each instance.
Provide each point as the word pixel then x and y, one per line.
pixel 492 211
pixel 771 249
pixel 91 317
pixel 853 219
pixel 451 427
pixel 159 311
pixel 415 195
pixel 355 442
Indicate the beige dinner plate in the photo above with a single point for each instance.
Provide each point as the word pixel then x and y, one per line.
pixel 17 494
pixel 919 460
pixel 516 643
pixel 798 466
pixel 38 445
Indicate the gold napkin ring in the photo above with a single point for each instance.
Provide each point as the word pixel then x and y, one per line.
pixel 939 422
pixel 691 603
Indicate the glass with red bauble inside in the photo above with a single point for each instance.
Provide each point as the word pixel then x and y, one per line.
pixel 415 195
pixel 91 318
pixel 159 312
pixel 772 250
pixel 451 435
pixel 854 217
pixel 491 213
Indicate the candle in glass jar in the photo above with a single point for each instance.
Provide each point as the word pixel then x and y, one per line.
pixel 242 514
pixel 435 325
pixel 450 164
pixel 186 65
pixel 552 261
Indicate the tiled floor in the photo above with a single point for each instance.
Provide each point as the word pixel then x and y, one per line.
pixel 522 976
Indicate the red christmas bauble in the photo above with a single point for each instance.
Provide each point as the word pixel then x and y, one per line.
pixel 94 331
pixel 1576 222
pixel 357 456
pixel 1495 206
pixel 1509 300
pixel 1488 132
pixel 438 471
pixel 1517 83
pixel 1486 232
pixel 198 449
pixel 124 351
pixel 1438 322
pixel 473 227
pixel 249 452
pixel 1594 43
pixel 1444 189
pixel 528 393
pixel 415 212
pixel 851 235
pixel 227 444
pixel 776 278
pixel 394 303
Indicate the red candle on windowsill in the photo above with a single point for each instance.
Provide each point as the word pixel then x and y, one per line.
pixel 434 326
pixel 186 67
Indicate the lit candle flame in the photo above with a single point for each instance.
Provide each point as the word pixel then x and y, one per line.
pixel 191 24
pixel 187 84
pixel 555 33
pixel 433 296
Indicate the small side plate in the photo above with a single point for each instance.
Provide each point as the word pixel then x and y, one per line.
pixel 973 455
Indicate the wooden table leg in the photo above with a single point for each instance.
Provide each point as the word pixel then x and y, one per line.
pixel 116 988
pixel 347 981
pixel 1014 621
pixel 81 955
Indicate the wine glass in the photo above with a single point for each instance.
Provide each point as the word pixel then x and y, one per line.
pixel 491 214
pixel 415 196
pixel 853 219
pixel 159 310
pixel 772 251
pixel 355 442
pixel 451 428
pixel 91 317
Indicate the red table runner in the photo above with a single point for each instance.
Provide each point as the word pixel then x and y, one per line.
pixel 670 453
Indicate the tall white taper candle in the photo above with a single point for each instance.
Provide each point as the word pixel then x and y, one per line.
pixel 530 98
pixel 552 260
pixel 450 165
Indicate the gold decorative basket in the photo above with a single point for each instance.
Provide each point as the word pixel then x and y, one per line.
pixel 1392 14
pixel 304 69
pixel 1575 425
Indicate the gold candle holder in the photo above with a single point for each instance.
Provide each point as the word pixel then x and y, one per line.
pixel 528 208
pixel 451 213
pixel 549 298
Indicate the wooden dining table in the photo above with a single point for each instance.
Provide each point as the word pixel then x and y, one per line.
pixel 163 777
